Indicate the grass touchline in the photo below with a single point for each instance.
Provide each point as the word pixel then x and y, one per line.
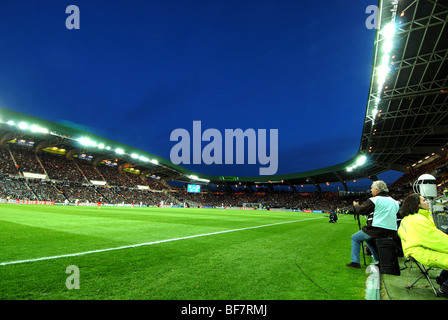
pixel 147 243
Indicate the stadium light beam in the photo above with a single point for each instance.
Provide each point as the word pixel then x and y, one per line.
pixel 382 72
pixel 388 31
pixel 360 161
pixel 86 142
pixel 193 177
pixel 37 129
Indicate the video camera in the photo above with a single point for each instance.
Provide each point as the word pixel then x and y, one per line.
pixel 354 195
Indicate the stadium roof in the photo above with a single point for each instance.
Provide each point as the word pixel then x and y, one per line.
pixel 406 117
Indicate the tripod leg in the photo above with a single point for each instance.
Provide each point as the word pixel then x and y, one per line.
pixel 363 254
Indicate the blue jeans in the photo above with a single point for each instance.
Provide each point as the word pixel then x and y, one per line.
pixel 357 239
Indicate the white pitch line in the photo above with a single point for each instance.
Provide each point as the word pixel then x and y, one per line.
pixel 147 243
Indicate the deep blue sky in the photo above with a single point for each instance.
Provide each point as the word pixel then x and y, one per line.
pixel 137 70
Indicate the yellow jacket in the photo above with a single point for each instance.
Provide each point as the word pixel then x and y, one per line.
pixel 422 240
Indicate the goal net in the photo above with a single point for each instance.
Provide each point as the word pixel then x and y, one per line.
pixel 255 205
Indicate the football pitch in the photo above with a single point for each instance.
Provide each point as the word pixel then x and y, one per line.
pixel 86 253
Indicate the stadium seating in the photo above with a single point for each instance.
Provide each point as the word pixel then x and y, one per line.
pixel 71 179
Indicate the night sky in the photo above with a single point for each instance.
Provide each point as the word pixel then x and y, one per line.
pixel 137 70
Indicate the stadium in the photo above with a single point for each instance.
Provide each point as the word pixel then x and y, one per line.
pixel 84 217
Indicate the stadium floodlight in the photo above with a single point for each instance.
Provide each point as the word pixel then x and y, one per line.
pixel 142 158
pixel 134 156
pixel 86 142
pixel 23 125
pixel 361 160
pixel 388 31
pixel 385 60
pixel 101 145
pixel 381 73
pixel 35 128
pixel 383 70
pixel 119 151
pixel 154 161
pixel 193 177
pixel 388 46
pixel 10 122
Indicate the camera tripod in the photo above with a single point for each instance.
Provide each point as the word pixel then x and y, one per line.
pixel 362 243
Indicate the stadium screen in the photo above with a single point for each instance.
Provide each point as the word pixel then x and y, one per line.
pixel 194 188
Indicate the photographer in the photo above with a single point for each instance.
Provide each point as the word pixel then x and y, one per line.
pixel 381 222
pixel 333 216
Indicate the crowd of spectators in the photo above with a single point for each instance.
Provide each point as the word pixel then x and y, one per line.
pixel 325 201
pixel 88 170
pixel 6 163
pixel 26 159
pixel 70 180
pixel 60 168
pixel 113 176
pixel 13 188
pixel 405 182
pixel 45 190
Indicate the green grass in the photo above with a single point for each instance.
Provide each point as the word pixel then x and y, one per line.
pixel 302 260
